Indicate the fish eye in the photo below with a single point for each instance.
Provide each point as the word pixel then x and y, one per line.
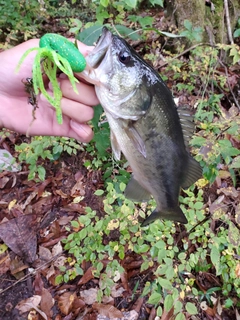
pixel 124 57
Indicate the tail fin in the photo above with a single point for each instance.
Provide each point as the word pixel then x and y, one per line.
pixel 175 214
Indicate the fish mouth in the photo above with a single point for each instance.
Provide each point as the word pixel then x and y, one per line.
pixel 99 60
pixel 97 55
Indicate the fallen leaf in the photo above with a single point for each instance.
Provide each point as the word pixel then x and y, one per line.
pixel 237 270
pixel 4 263
pixel 88 275
pixel 38 284
pixel 78 189
pixel 138 304
pixel 22 238
pixel 117 292
pixel 234 235
pixel 47 303
pixel 89 296
pixel 27 304
pixel 45 254
pixel 57 249
pixel 16 266
pixel 107 310
pixel 3 182
pixel 65 302
pixel 12 204
pixel 209 311
pixel 7 161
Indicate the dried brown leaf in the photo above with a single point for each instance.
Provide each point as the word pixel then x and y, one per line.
pixel 88 275
pixel 237 270
pixel 3 182
pixel 167 315
pixel 124 279
pixel 78 189
pixel 65 302
pixel 38 284
pixel 107 310
pixel 138 304
pixel 44 253
pixel 89 296
pixel 27 304
pixel 47 303
pixel 229 192
pixel 16 266
pixel 4 263
pixel 22 239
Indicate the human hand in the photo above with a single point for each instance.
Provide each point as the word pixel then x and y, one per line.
pixel 16 112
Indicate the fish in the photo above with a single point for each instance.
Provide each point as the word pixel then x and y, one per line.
pixel 145 125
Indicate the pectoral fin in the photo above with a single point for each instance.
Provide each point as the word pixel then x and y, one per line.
pixel 136 139
pixel 115 147
pixel 136 192
pixel 174 214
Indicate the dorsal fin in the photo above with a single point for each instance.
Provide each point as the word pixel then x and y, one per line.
pixel 186 120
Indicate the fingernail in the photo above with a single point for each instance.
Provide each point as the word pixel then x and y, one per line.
pixel 63 76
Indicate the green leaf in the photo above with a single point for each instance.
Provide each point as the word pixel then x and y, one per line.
pixel 157 2
pixel 229 303
pixel 198 205
pixel 168 303
pixel 236 33
pixel 90 35
pixel 41 172
pixel 191 308
pixel 234 235
pixel 75 224
pixel 131 3
pixel 99 192
pixel 59 279
pixel 104 3
pixel 146 21
pixel 180 316
pixel 215 257
pixel 166 284
pixel 155 298
pixel 198 141
pixel 235 163
pixel 188 25
pixel 127 32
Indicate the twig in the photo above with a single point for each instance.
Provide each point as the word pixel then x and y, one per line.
pixel 29 275
pixel 186 51
pixel 229 86
pixel 228 22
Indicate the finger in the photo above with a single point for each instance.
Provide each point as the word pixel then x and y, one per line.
pixel 77 111
pixel 86 93
pixel 83 131
pixel 72 109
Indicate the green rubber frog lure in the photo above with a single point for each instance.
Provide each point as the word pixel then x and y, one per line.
pixel 54 52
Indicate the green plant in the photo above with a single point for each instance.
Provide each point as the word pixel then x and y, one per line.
pixel 176 263
pixel 41 149
pixel 20 18
pixel 192 33
pixel 237 31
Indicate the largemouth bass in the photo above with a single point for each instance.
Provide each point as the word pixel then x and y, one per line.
pixel 145 125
